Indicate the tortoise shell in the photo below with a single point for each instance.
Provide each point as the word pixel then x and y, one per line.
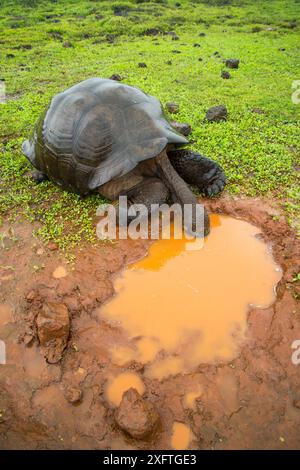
pixel 96 131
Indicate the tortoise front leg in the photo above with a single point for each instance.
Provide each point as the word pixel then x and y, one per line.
pixel 198 171
pixel 150 191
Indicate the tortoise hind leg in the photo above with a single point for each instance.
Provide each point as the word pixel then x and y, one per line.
pixel 198 171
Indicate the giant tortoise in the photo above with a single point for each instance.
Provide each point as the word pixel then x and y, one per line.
pixel 101 135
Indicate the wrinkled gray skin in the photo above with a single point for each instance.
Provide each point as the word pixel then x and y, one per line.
pixel 100 135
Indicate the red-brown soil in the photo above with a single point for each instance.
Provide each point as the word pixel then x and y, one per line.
pixel 253 402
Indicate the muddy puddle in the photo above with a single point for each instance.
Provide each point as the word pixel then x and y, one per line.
pixel 186 303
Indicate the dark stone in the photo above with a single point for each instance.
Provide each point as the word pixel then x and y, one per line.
pixel 197 44
pixel 182 127
pixel 116 77
pixel 67 44
pixel 120 10
pixel 257 111
pixel 226 75
pixel 202 35
pixel 232 63
pixel 152 32
pixel 111 38
pixel 217 113
pixel 142 65
pixel 173 108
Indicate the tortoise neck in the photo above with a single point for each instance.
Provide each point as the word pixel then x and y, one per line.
pixel 179 189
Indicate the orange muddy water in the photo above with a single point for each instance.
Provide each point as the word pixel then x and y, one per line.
pixel 181 436
pixel 116 386
pixel 186 302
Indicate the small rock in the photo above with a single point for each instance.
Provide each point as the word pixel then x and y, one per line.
pixel 257 111
pixel 217 113
pixel 142 65
pixel 292 24
pixel 67 44
pixel 200 59
pixel 52 246
pixel 175 37
pixel 226 75
pixel 31 295
pixel 120 11
pixel 116 77
pixel 27 337
pixel 53 328
pixel 152 32
pixel 182 127
pixel 282 49
pixel 135 415
pixel 197 44
pixel 111 38
pixel 232 63
pixel 296 403
pixel 99 17
pixel 202 35
pixel 173 108
pixel 40 251
pixel 73 394
pixel 176 51
pixel 59 272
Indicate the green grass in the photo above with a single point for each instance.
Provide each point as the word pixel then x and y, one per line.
pixel 259 152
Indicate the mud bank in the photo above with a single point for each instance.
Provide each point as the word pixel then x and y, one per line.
pixel 253 401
